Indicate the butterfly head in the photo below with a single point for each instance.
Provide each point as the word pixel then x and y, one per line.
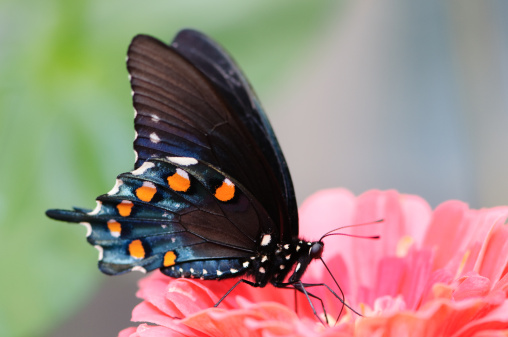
pixel 316 250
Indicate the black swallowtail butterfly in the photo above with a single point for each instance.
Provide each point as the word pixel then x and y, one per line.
pixel 210 195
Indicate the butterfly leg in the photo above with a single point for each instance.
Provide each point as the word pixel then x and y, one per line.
pixel 233 287
pixel 298 285
pixel 341 299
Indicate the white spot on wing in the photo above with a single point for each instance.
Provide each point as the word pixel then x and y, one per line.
pixel 266 240
pixel 116 188
pixel 246 264
pixel 182 173
pixel 139 268
pixel 262 270
pixel 286 246
pixel 88 228
pixel 148 184
pixel 232 270
pixel 228 182
pixel 184 161
pixel 101 252
pixel 298 266
pixel 264 258
pixel 205 271
pixel 142 169
pixel 154 138
pixel 155 118
pixel 282 267
pixel 219 273
pixel 97 208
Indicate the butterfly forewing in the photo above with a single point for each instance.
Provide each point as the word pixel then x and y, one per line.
pixel 228 79
pixel 181 113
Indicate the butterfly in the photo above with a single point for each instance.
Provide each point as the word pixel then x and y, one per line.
pixel 210 196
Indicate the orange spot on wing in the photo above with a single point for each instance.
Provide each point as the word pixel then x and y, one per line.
pixel 115 228
pixel 226 191
pixel 146 192
pixel 169 259
pixel 136 249
pixel 125 207
pixel 179 181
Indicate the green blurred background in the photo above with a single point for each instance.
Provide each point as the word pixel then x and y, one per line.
pixel 362 94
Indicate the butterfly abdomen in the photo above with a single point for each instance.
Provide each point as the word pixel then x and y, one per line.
pixel 209 269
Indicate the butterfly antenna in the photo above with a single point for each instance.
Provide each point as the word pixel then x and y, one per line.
pixel 348 226
pixel 354 236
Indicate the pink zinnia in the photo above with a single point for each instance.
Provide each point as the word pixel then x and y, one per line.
pixel 432 273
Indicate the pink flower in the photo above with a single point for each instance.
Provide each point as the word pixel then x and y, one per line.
pixel 432 273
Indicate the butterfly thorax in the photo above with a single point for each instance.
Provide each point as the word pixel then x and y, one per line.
pixel 274 266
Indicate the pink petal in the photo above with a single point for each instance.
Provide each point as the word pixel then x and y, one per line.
pixel 471 286
pixel 222 322
pixel 374 205
pixel 145 330
pixel 147 312
pixel 190 296
pixel 318 213
pixel 502 285
pixel 445 233
pixel 438 318
pixel 153 289
pixel 496 319
pixel 128 332
pixel 388 305
pixel 458 233
pixel 417 214
pixel 437 286
pixel 494 260
pixel 491 333
pixel 407 276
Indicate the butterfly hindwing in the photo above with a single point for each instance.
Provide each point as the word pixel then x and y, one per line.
pixel 174 212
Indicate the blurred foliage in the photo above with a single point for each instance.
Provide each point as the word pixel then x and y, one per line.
pixel 66 123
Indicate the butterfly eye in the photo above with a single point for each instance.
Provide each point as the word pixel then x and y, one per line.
pixel 316 250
